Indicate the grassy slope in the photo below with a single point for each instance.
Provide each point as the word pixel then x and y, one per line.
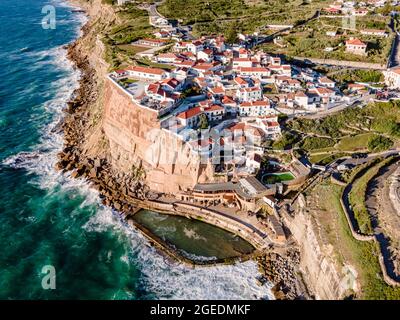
pixel 362 255
pixel 132 24
pixel 210 16
pixel 354 143
pixel 357 197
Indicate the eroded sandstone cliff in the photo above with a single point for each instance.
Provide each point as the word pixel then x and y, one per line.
pixel 326 276
pixel 112 127
pixel 136 138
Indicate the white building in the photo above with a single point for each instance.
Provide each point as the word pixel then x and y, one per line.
pixel 258 72
pixel 167 58
pixel 255 108
pixel 249 94
pixel 147 73
pixel 238 63
pixel 356 46
pixel 301 99
pixel 392 78
pixel 326 82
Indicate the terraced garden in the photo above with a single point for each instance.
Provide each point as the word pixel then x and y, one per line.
pixel 374 128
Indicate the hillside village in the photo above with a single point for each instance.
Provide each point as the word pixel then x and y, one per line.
pixel 214 86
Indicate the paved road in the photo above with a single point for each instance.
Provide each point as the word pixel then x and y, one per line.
pixel 394 58
pixel 371 156
pixel 153 11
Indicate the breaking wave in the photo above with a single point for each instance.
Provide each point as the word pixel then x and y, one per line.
pixel 171 280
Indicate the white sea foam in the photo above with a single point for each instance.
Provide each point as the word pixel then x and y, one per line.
pixel 192 234
pixel 160 276
pixel 79 17
pixel 170 280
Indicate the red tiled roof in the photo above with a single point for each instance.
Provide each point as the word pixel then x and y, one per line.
pixel 227 100
pixel 261 103
pixel 300 94
pixel 189 113
pixel 250 89
pixel 325 80
pixel 204 66
pixel 253 69
pixel 355 42
pixel 242 60
pixel 395 70
pixel 146 70
pixel 171 82
pixel 239 80
pixel 255 103
pixel 273 124
pixel 217 90
pixel 214 107
pixel 357 85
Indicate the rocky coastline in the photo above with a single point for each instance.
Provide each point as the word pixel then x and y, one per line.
pixel 283 271
pixel 125 191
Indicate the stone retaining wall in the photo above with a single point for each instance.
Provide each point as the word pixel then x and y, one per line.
pixel 360 237
pixel 211 217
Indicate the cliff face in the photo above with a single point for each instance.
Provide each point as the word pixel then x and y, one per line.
pixel 325 277
pixel 87 53
pixel 110 126
pixel 135 138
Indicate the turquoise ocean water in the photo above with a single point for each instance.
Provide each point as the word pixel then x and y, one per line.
pixel 46 218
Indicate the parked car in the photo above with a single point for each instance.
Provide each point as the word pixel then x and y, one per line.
pixel 359 155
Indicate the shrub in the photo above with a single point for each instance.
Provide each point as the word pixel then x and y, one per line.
pixel 379 143
pixel 311 143
pixel 286 141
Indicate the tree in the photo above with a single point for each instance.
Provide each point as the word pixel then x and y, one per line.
pixel 191 92
pixel 379 143
pixel 231 33
pixel 203 122
pixel 287 140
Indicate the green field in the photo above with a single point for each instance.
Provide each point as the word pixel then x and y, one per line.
pixel 132 24
pixel 131 49
pixel 355 143
pixel 345 146
pixel 376 118
pixel 272 178
pixel 147 62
